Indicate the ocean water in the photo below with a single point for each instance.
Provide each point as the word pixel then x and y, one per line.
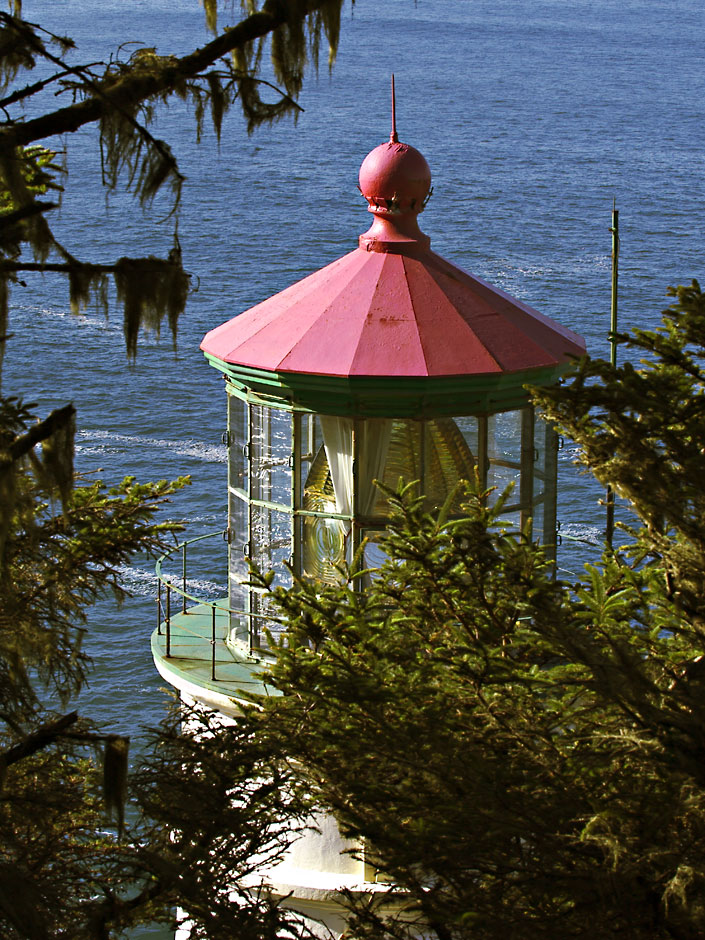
pixel 534 115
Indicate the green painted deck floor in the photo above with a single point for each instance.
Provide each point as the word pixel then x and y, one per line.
pixel 191 653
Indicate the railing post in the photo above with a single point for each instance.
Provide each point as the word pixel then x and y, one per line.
pixel 254 636
pixel 183 576
pixel 168 620
pixel 213 643
pixel 195 626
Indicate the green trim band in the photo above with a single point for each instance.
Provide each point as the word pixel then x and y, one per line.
pixel 388 397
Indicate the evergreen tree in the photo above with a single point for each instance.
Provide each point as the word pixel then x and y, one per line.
pixel 523 757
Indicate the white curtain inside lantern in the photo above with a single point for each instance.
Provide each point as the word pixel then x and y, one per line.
pixel 372 436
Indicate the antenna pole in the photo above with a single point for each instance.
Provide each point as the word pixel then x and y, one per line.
pixel 393 139
pixel 609 528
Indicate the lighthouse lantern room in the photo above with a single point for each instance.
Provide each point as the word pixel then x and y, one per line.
pixel 389 363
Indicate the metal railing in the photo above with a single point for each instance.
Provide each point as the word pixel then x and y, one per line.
pixel 166 586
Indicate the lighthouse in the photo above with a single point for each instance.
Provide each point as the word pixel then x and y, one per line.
pixel 390 362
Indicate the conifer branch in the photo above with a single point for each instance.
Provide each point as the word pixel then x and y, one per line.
pixel 44 736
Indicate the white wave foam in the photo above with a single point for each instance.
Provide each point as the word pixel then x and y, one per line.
pixel 144 583
pixel 188 447
pixel 507 273
pixel 213 520
pixel 94 321
pixel 138 581
pixel 584 533
pixel 84 320
pixel 202 586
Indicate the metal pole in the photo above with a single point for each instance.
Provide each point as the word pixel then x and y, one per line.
pixel 393 138
pixel 183 577
pixel 213 644
pixel 168 620
pixel 159 606
pixel 609 527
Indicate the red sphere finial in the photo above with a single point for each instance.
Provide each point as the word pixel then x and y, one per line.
pixel 396 182
pixel 395 178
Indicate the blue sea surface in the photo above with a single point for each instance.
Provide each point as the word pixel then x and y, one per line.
pixel 534 115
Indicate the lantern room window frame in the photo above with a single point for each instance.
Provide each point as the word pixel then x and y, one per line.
pixel 272 446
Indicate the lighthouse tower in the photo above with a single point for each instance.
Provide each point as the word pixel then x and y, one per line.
pixel 390 362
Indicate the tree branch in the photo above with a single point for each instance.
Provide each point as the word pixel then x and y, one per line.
pixel 39 739
pixel 60 267
pixel 39 432
pixel 25 212
pixel 134 88
pixel 30 90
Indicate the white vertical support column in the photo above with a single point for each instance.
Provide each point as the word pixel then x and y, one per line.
pixel 296 550
pixel 231 484
pixel 238 516
pixel 355 532
pixel 251 604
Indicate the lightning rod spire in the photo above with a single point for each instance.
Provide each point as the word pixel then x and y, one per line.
pixel 393 139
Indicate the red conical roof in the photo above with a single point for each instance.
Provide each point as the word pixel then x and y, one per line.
pixel 392 307
pixel 377 313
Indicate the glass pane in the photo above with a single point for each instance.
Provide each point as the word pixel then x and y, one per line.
pixel 539 477
pixel 449 459
pixel 264 611
pixel 513 519
pixel 436 453
pixel 311 447
pixel 237 426
pixel 405 460
pixel 271 449
pixel 324 548
pixel 504 451
pixel 468 427
pixel 239 549
pixel 271 542
pixel 323 541
pixel 375 556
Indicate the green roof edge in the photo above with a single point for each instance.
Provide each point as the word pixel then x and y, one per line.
pixel 391 396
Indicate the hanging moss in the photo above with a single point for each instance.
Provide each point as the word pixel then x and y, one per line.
pixel 20 179
pixel 81 281
pixel 210 8
pixel 219 100
pixel 8 494
pixel 327 19
pixel 126 146
pixel 289 51
pixel 18 47
pixel 115 777
pixel 126 99
pixel 57 459
pixel 149 289
pixel 18 443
